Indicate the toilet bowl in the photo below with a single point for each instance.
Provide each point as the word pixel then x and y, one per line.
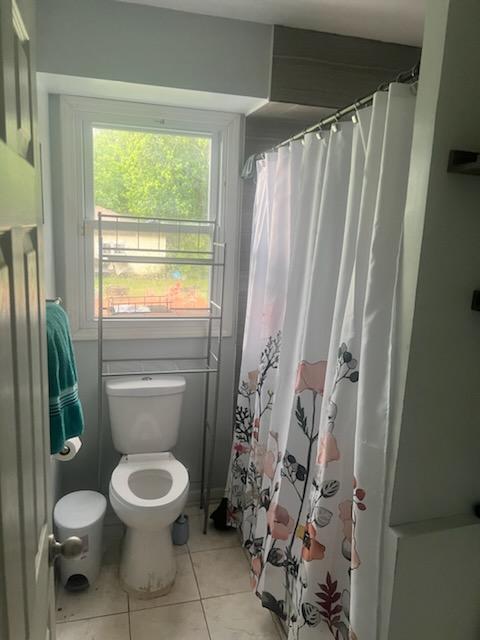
pixel 149 487
pixel 148 492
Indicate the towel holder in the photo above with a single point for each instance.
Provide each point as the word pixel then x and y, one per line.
pixel 55 300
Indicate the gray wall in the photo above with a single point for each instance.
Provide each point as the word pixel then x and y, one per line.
pixel 147 45
pixel 317 68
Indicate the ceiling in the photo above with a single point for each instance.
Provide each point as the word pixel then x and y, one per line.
pixel 388 20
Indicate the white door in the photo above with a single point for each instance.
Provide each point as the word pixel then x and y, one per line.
pixel 26 585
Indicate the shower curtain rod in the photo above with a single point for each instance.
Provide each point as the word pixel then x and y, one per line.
pixel 406 77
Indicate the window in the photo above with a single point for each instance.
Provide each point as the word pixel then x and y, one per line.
pixel 159 180
pixel 152 175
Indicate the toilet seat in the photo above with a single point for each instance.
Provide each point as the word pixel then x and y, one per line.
pixel 123 487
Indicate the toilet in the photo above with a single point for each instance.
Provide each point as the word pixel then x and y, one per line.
pixel 149 487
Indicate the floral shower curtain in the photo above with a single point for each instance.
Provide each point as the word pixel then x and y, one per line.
pixel 306 481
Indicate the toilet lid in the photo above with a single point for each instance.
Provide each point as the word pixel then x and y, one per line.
pixel 143 482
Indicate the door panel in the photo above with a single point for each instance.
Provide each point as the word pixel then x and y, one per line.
pixel 40 448
pixel 24 470
pixel 14 623
pixel 26 585
pixel 16 73
pixel 23 86
pixel 23 426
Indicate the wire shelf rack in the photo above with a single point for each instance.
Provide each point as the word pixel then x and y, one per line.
pixel 140 240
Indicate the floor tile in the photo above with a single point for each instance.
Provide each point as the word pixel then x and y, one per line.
pixel 239 617
pixel 221 572
pixel 105 628
pixel 184 590
pixel 103 598
pixel 213 539
pixel 179 621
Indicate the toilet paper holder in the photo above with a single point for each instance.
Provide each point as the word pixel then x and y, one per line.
pixel 70 449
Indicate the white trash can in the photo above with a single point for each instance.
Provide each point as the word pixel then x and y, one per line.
pixel 81 514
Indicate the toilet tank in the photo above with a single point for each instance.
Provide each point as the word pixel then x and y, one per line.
pixel 145 412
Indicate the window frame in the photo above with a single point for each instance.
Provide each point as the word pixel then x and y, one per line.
pixel 77 117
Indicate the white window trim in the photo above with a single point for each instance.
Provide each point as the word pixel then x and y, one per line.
pixel 77 113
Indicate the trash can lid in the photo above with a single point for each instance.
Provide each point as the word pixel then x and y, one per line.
pixel 79 509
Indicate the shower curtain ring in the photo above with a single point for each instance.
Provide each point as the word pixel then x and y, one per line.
pixel 355 116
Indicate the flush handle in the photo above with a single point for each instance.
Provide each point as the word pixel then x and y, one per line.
pixel 70 548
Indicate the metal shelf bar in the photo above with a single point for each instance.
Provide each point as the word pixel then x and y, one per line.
pixel 216 392
pixel 147 358
pixel 127 316
pixel 107 251
pixel 207 392
pixel 160 260
pixel 138 220
pixel 169 372
pixel 100 361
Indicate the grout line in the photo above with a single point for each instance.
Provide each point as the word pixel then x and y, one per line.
pixel 199 593
pixel 194 574
pixel 235 546
pixel 129 621
pixel 102 615
pixel 206 621
pixel 166 604
pixel 225 595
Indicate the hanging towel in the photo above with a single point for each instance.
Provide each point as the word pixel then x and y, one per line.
pixel 66 416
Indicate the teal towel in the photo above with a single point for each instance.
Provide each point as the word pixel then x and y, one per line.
pixel 66 416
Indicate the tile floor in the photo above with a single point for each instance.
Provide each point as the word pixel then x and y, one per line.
pixel 211 598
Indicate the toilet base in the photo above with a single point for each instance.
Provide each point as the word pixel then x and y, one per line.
pixel 148 565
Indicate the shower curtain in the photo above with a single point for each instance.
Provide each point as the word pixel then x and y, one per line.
pixel 308 463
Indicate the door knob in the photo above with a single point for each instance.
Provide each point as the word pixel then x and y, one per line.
pixel 69 548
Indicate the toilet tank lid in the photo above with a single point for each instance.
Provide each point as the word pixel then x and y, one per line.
pixel 145 385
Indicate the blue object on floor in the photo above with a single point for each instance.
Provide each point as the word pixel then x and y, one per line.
pixel 180 530
pixel 66 415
